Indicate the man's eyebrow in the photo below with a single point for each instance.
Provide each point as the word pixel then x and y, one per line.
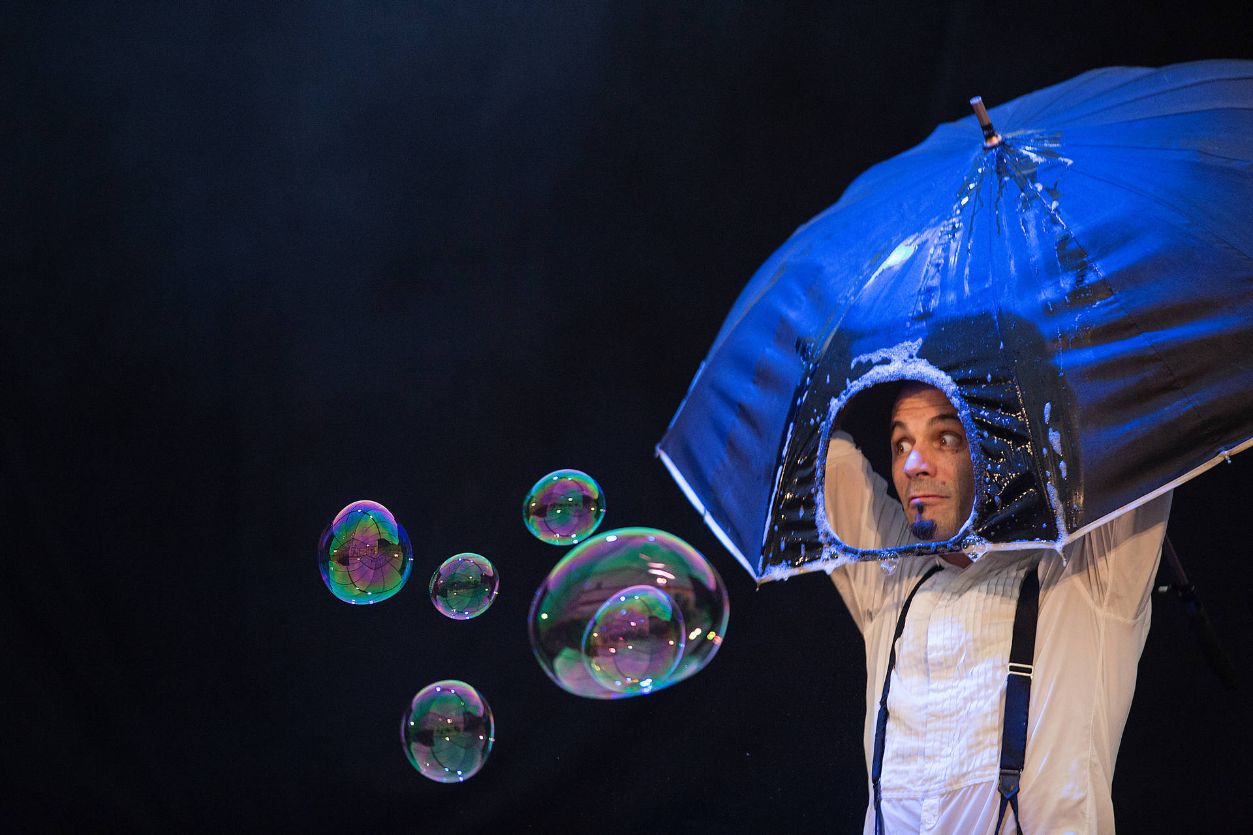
pixel 896 424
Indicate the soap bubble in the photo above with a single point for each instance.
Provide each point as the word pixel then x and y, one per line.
pixel 364 555
pixel 585 579
pixel 634 640
pixel 564 507
pixel 464 586
pixel 448 731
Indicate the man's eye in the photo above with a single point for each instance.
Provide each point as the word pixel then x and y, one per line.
pixel 951 439
pixel 900 447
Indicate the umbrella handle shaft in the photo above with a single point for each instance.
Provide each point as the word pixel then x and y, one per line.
pixel 1172 559
pixel 990 137
pixel 1198 619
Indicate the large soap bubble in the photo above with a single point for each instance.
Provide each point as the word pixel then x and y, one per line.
pixel 564 507
pixel 588 578
pixel 464 586
pixel 364 555
pixel 634 640
pixel 448 731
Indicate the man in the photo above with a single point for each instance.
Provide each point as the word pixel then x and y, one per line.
pixel 941 761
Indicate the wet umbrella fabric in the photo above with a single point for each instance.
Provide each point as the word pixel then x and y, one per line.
pixel 1082 290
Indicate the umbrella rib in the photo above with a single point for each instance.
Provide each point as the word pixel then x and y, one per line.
pixel 839 208
pixel 1159 148
pixel 706 516
pixel 1225 108
pixel 1159 202
pixel 1142 332
pixel 1064 90
pixel 1168 486
pixel 1072 117
pixel 729 327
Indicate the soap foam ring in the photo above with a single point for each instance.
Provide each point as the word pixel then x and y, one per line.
pixel 902 364
pixel 1056 503
pixel 902 352
pixel 1055 441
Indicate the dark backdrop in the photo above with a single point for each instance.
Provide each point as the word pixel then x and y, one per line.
pixel 261 260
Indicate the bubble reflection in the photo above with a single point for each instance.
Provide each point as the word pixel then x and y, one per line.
pixel 581 587
pixel 634 640
pixel 448 731
pixel 464 586
pixel 364 554
pixel 564 507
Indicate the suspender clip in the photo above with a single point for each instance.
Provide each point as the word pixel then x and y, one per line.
pixel 1009 782
pixel 1021 669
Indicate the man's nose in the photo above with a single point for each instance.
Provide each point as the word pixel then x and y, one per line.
pixel 916 464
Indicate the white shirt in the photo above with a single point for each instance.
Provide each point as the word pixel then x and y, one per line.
pixel 942 756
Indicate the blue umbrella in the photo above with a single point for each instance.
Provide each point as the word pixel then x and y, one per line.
pixel 1080 284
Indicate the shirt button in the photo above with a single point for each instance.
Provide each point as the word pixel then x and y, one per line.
pixel 930 812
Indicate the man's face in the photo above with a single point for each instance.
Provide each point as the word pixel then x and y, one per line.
pixel 931 465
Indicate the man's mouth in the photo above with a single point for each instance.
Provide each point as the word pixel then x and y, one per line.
pixel 919 503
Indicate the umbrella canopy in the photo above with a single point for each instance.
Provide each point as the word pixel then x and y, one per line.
pixel 1080 286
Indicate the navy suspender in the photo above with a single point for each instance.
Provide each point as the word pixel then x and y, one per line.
pixel 881 724
pixel 1017 699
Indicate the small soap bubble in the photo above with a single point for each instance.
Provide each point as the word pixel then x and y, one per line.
pixel 448 731
pixel 581 589
pixel 564 507
pixel 464 586
pixel 634 640
pixel 364 555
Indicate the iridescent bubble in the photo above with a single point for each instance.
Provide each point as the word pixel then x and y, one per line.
pixel 364 555
pixel 564 507
pixel 448 731
pixel 464 586
pixel 583 581
pixel 634 640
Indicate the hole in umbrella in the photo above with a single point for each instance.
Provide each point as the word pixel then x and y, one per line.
pixel 898 468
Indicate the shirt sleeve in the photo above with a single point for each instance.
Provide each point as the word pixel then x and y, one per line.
pixel 861 513
pixel 1117 561
pixel 859 510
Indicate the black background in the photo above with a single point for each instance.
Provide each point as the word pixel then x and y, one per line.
pixel 265 259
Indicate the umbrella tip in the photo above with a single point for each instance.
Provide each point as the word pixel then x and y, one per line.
pixel 990 137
